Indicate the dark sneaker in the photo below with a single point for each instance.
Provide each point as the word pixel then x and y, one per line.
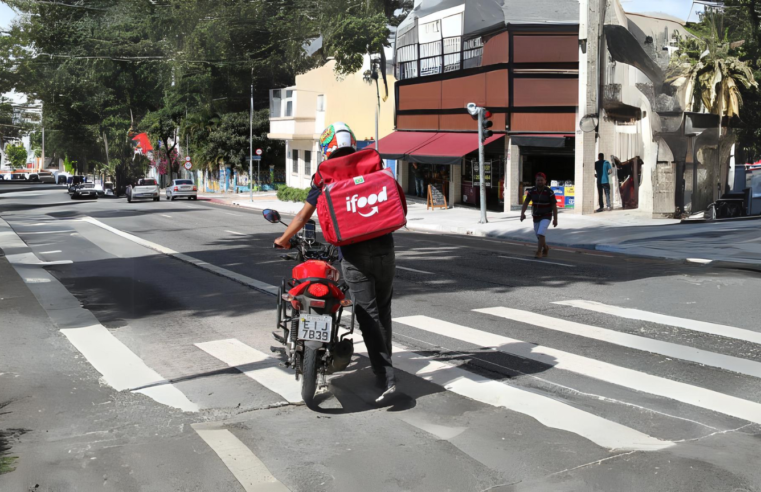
pixel 599 210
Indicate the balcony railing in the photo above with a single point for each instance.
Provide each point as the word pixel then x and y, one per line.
pixel 443 56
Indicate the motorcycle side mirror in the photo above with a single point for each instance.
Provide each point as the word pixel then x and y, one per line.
pixel 271 216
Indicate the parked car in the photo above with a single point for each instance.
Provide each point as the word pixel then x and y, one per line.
pixel 143 189
pixel 6 177
pixel 33 177
pixel 73 181
pixel 46 177
pixel 61 177
pixel 85 190
pixel 182 188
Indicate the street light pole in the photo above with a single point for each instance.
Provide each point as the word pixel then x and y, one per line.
pixel 251 150
pixel 481 181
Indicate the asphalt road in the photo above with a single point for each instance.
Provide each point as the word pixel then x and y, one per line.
pixel 127 367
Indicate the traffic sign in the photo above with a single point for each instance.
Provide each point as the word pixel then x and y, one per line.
pixel 255 158
pixel 188 164
pixel 187 158
pixel 259 152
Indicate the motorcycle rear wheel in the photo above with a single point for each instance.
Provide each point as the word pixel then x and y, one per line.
pixel 309 376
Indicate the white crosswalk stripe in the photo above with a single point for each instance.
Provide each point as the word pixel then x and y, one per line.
pixel 689 324
pixel 548 411
pixel 257 365
pixel 726 362
pixel 603 371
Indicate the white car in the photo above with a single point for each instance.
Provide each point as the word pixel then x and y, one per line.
pixel 145 188
pixel 46 177
pixel 182 188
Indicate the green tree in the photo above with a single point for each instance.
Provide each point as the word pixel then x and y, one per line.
pixel 716 78
pixel 16 155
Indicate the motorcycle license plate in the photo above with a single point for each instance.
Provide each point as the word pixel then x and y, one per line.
pixel 316 328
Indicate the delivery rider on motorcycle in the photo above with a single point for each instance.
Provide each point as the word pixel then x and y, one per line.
pixel 368 268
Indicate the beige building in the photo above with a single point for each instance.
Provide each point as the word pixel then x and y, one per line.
pixel 299 114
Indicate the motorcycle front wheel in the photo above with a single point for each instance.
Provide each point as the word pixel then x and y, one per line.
pixel 309 376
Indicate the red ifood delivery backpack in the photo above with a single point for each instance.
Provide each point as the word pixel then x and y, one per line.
pixel 360 199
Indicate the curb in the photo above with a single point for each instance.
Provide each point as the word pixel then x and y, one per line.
pixel 588 248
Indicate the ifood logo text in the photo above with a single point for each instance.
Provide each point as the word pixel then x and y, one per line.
pixel 356 203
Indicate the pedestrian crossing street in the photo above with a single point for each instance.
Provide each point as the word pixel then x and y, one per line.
pixel 609 431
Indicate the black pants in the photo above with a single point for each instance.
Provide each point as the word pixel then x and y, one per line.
pixel 603 188
pixel 369 269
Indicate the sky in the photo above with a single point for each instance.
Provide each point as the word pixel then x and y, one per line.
pixel 678 8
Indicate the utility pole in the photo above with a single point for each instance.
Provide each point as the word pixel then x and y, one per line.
pixel 42 165
pixel 482 115
pixel 481 181
pixel 251 150
pixel 374 76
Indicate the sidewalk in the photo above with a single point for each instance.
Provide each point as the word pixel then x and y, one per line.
pixel 621 231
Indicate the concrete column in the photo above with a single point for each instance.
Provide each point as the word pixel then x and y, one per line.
pixel 591 15
pixel 512 176
pixel 455 186
pixel 402 174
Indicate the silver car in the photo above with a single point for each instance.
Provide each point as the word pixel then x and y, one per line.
pixel 182 188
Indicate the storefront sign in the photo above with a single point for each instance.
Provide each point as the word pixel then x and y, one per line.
pixel 436 198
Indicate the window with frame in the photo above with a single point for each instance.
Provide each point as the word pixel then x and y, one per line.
pixel 288 103
pixel 295 161
pixel 308 162
pixel 321 102
pixel 276 101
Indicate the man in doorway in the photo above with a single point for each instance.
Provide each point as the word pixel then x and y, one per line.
pixel 419 173
pixel 544 207
pixel 603 169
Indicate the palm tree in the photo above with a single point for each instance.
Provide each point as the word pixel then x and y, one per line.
pixel 713 77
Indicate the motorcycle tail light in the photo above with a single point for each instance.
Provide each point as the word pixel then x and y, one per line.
pixel 319 304
pixel 318 290
pixel 346 303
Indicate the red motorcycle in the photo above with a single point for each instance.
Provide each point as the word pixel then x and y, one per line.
pixel 309 311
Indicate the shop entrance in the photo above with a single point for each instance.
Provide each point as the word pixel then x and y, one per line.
pixel 430 174
pixel 560 168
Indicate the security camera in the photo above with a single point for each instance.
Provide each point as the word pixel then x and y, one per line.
pixel 472 109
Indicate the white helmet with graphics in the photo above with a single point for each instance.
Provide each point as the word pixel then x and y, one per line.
pixel 337 140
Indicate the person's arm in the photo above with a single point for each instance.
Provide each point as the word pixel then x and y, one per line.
pixel 525 207
pixel 296 225
pixel 555 214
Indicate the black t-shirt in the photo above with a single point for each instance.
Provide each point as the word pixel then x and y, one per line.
pixel 314 195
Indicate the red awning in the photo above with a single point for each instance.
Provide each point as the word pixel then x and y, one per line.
pixel 431 147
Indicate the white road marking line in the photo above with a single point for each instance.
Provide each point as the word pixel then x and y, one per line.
pixel 550 412
pixel 537 261
pixel 250 282
pixel 268 262
pixel 121 368
pixel 234 215
pixel 628 378
pixel 689 324
pixel 50 252
pixel 701 261
pixel 413 270
pixel 46 232
pixel 237 233
pixel 668 349
pixel 257 365
pixel 249 470
pixel 31 259
pixel 167 216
